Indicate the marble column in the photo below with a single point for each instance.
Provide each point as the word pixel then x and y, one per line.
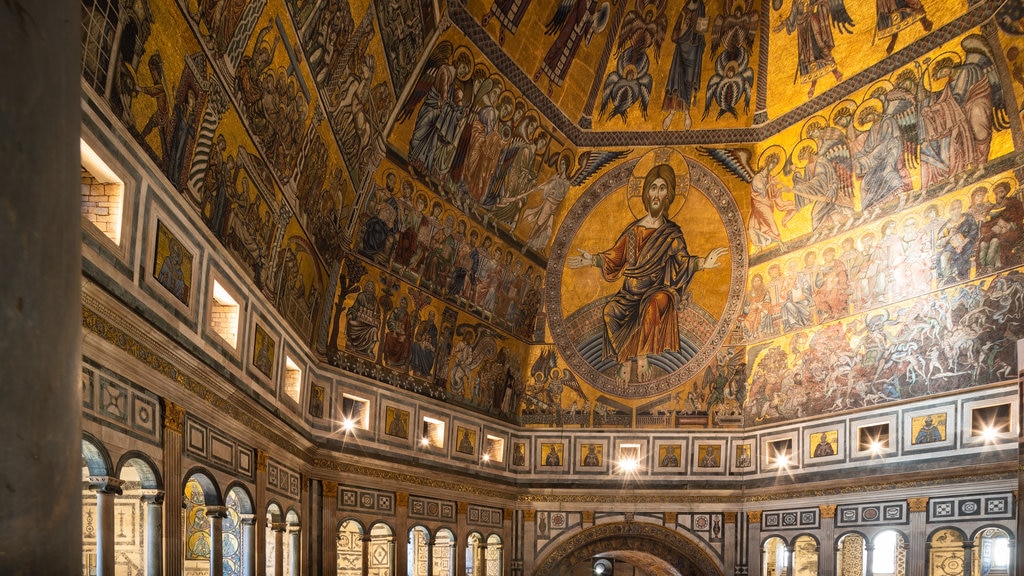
pixel 329 527
pixel 40 295
pixel 216 515
pixel 278 530
pixel 917 553
pixel 107 489
pixel 294 549
pixel 365 539
pixel 248 522
pixel 480 560
pixel 968 557
pixel 827 561
pixel 430 555
pixel 790 559
pixel 869 558
pixel 174 500
pixel 154 556
pixel 754 549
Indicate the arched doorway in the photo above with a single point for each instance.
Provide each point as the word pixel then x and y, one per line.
pixel 656 549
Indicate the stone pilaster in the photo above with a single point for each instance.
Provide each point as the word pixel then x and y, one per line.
pixel 529 540
pixel 278 529
pixel 917 556
pixel 295 549
pixel 826 547
pixel 461 529
pixel 261 519
pixel 729 536
pixel 174 500
pixel 401 529
pixel 329 528
pixel 754 551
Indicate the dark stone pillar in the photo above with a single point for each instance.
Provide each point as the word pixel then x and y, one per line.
pixel 40 295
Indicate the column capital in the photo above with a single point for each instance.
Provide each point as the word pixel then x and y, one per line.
pixel 828 510
pixel 402 499
pixel 754 516
pixel 671 518
pixel 918 504
pixel 278 526
pixel 174 416
pixel 365 538
pixel 730 517
pixel 155 497
pixel 588 517
pixel 529 514
pixel 247 519
pixel 217 511
pixel 462 508
pixel 106 485
pixel 294 528
pixel 261 460
pixel 968 544
pixel 330 488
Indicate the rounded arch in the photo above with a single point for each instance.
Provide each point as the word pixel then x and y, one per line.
pixel 344 522
pixel 144 466
pixel 243 497
pixel 945 528
pixel 381 528
pixel 96 457
pixel 206 481
pixel 495 538
pixel 292 517
pixel 629 538
pixel 765 538
pixel 991 526
pixel 274 512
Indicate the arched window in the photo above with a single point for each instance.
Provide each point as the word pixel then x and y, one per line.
pixel 473 549
pixel 805 556
pixel 890 554
pixel 200 493
pixel 444 553
pixel 239 537
pixel 274 538
pixel 776 557
pixel 992 553
pixel 382 550
pixel 350 548
pixel 133 517
pixel 850 557
pixel 96 468
pixel 293 555
pixel 99 24
pixel 416 551
pixel 946 552
pixel 494 555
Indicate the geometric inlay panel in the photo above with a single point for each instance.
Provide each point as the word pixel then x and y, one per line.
pixel 790 519
pixel 875 513
pixel 113 399
pixel 971 507
pixel 431 509
pixel 485 516
pixel 282 479
pixel 205 443
pixel 366 500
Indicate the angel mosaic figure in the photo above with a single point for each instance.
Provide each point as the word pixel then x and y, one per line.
pixel 813 20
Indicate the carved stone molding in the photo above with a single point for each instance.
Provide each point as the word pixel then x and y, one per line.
pixel 330 489
pixel 918 504
pixel 174 416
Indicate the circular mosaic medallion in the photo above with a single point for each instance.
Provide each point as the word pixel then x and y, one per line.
pixel 646 275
